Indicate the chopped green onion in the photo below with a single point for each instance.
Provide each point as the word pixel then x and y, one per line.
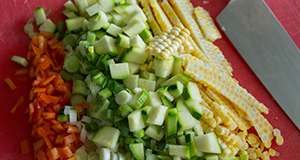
pixel 72 64
pixel 99 78
pixel 104 93
pixel 60 26
pixel 91 37
pixel 70 39
pixel 75 99
pixel 65 75
pixel 113 105
pixel 20 60
pixel 124 110
pixel 91 127
pixel 108 115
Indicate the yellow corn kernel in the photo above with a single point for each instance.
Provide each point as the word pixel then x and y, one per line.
pixel 279 140
pixel 211 122
pixel 226 138
pixel 252 155
pixel 218 120
pixel 161 18
pixel 258 152
pixel 233 139
pixel 226 152
pixel 265 155
pixel 220 130
pixel 242 152
pixel 272 152
pixel 91 49
pixel 253 140
pixel 251 150
pixel 234 151
pixel 208 130
pixel 243 146
pixel 276 132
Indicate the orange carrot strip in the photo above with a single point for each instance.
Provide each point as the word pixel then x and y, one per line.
pixel 70 138
pixel 46 34
pixel 49 115
pixel 72 129
pixel 45 64
pixel 38 144
pixel 21 71
pixel 24 146
pixel 42 42
pixel 34 41
pixel 10 83
pixel 31 71
pixel 48 80
pixel 37 50
pixel 66 152
pixel 18 103
pixel 39 90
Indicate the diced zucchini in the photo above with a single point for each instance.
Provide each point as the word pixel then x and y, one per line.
pixel 108 5
pixel 114 156
pixel 135 55
pixel 194 108
pixel 137 149
pixel 123 41
pixel 95 8
pixel 177 66
pixel 189 140
pixel 175 89
pixel 81 153
pixel 211 157
pixel 118 18
pixel 106 136
pixel 146 36
pixel 198 129
pixel 157 115
pixel 152 131
pixel 137 14
pixel 167 102
pixel 82 5
pixel 139 99
pixel 148 75
pixel 135 121
pixel 148 85
pixel 171 124
pixel 98 109
pixel 153 99
pixel 119 70
pixel 181 77
pixel 134 27
pixel 70 6
pixel 114 30
pixel 186 120
pixel 74 23
pixel 40 16
pixel 68 13
pixel 191 92
pixel 131 81
pixel 208 143
pixel 101 23
pixel 48 26
pixel 163 67
pixel 228 158
pixel 137 41
pixel 91 2
pixel 99 33
pixel 106 45
pixel 133 2
pixel 181 151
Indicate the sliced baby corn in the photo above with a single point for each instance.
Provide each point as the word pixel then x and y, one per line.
pixel 212 52
pixel 150 18
pixel 206 75
pixel 206 24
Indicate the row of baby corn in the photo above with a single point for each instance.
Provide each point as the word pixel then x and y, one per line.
pixel 228 109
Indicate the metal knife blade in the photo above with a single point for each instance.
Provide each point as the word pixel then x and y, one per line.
pixel 268 50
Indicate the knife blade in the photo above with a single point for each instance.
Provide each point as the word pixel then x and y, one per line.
pixel 267 48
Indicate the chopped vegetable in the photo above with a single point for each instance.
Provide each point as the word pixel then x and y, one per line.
pixel 18 103
pixel 10 83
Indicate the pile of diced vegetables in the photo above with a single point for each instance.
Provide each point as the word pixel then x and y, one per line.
pixel 137 80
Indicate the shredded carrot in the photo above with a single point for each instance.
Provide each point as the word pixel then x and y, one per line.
pixel 24 147
pixel 10 83
pixel 46 63
pixel 18 103
pixel 48 80
pixel 47 35
pixel 21 71
pixel 49 93
pixel 39 90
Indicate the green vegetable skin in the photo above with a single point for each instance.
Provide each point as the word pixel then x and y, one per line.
pixel 106 43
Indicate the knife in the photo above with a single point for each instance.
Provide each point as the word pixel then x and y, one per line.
pixel 267 48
